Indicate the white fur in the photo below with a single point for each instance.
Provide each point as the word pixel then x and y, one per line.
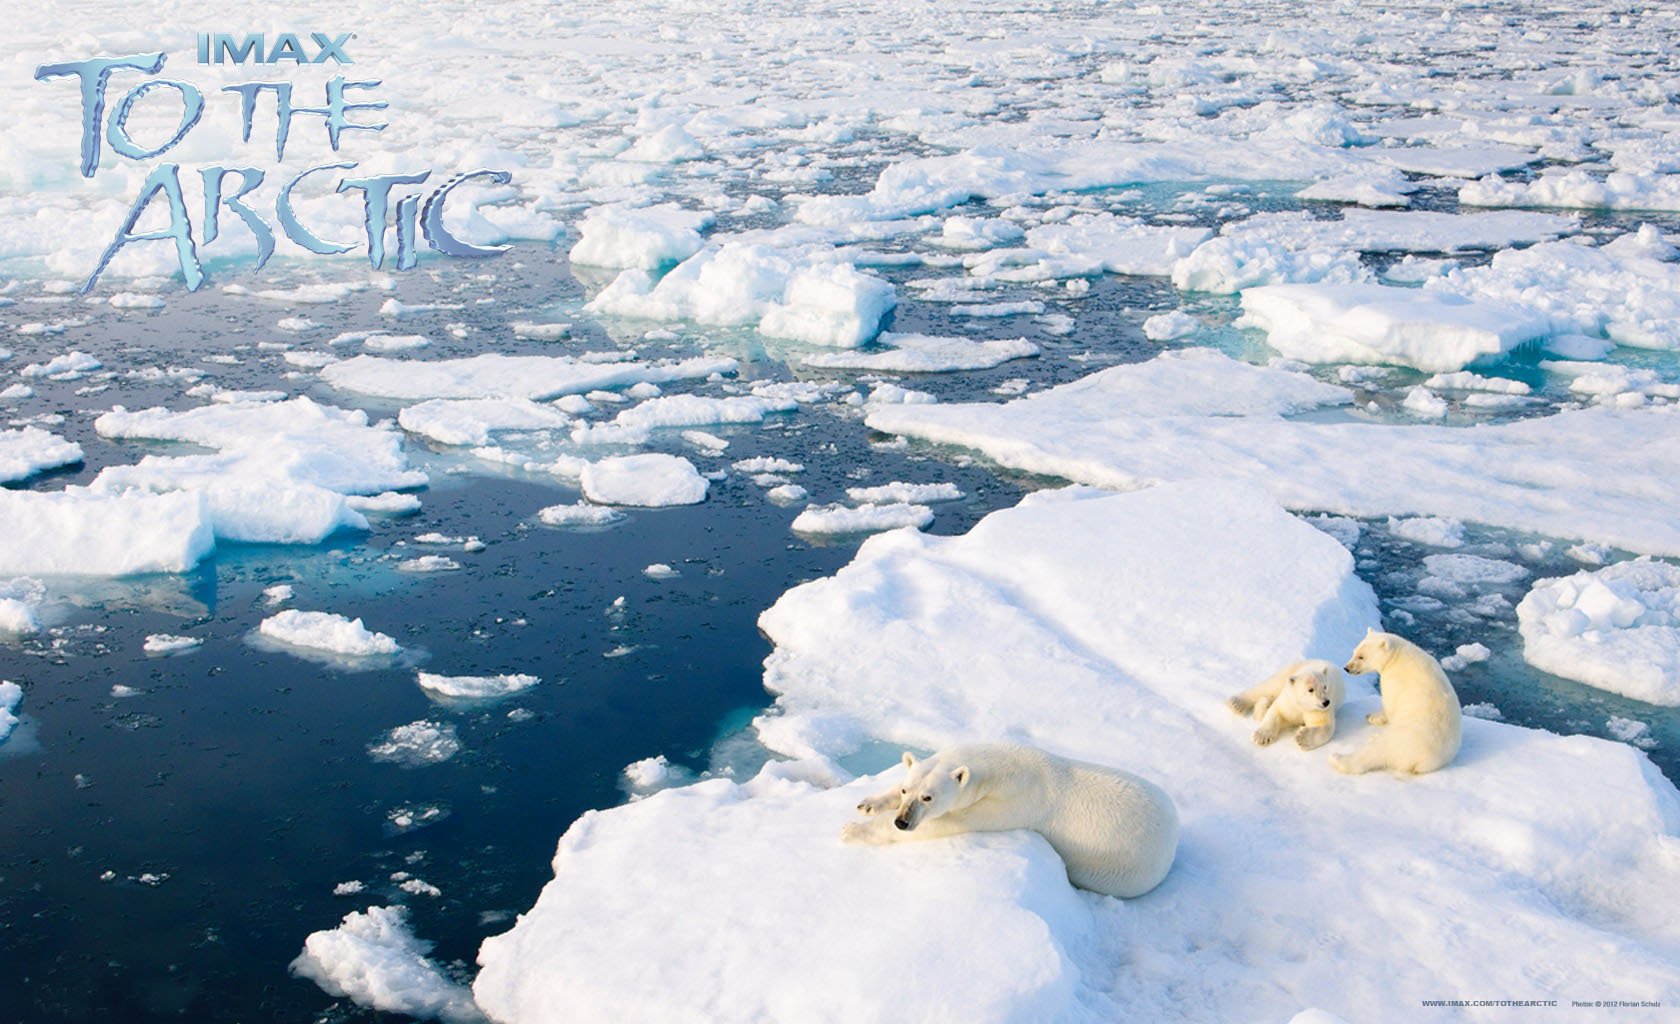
pixel 1302 695
pixel 1419 709
pixel 1116 833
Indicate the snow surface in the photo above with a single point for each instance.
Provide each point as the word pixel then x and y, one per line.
pixel 1616 628
pixel 1196 414
pixel 1137 615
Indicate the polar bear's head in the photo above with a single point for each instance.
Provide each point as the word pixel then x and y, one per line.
pixel 930 789
pixel 1310 686
pixel 1372 653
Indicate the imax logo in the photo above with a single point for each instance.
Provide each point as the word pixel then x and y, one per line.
pixel 223 48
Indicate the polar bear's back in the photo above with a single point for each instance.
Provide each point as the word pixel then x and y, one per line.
pixel 1116 832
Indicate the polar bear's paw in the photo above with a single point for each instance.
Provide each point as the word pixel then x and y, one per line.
pixel 1312 739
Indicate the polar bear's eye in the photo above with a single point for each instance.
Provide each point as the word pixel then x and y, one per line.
pixel 904 792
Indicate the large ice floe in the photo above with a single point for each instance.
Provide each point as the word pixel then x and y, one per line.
pixel 496 376
pixel 282 471
pixel 1197 414
pixel 1108 628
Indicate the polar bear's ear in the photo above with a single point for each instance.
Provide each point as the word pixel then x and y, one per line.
pixel 960 776
pixel 1383 643
pixel 909 759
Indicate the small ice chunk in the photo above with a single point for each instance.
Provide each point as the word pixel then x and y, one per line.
pixel 838 519
pixel 326 631
pixel 417 744
pixel 648 773
pixel 660 571
pixel 1473 569
pixel 165 643
pixel 1170 326
pixel 1430 531
pixel 1631 731
pixel 11 695
pixel 1466 654
pixel 374 959
pixel 475 687
pixel 896 491
pixel 579 514
pixel 428 563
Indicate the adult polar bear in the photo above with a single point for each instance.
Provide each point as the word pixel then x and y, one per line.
pixel 1116 833
pixel 1419 709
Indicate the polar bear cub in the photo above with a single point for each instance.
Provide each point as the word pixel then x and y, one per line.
pixel 1419 709
pixel 1116 833
pixel 1303 695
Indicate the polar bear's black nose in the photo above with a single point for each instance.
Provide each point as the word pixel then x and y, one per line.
pixel 902 823
pixel 1349 669
pixel 1324 703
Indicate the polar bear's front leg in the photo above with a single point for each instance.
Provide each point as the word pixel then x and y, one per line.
pixel 1258 697
pixel 875 831
pixel 1377 718
pixel 879 803
pixel 1271 727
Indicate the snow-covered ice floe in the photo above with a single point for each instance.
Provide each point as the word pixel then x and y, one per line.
pixel 649 480
pixel 84 533
pixel 497 376
pixel 1617 628
pixel 31 450
pixel 475 687
pixel 1374 323
pixel 326 633
pixel 921 353
pixel 374 959
pixel 282 471
pixel 1108 628
pixel 1596 474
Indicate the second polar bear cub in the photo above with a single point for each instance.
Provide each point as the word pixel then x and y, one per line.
pixel 1419 709
pixel 1304 694
pixel 1116 833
